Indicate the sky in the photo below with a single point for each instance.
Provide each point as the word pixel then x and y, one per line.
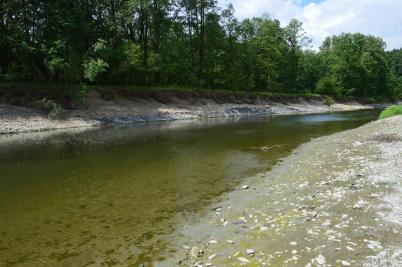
pixel 323 18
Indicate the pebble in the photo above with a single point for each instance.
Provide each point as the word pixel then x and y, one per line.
pixel 195 252
pixel 250 252
pixel 293 243
pixel 230 241
pixel 294 252
pixel 211 256
pixel 245 187
pixel 320 259
pixel 213 242
pixel 243 260
pixel 345 263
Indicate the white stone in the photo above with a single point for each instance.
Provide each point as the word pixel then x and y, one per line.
pixel 320 259
pixel 211 256
pixel 243 260
pixel 250 252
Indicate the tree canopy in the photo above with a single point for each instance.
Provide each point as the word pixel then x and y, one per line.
pixel 185 43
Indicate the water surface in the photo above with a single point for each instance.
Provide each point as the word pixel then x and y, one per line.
pixel 111 196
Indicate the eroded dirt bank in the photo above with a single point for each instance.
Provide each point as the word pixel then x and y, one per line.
pixel 132 109
pixel 336 201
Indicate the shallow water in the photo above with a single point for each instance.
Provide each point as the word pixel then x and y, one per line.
pixel 112 196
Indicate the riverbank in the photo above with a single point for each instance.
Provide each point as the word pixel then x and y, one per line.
pixel 150 108
pixel 336 201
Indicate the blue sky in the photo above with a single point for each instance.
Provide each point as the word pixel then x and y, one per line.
pixel 323 18
pixel 306 2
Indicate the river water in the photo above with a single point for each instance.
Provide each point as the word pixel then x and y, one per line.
pixel 112 196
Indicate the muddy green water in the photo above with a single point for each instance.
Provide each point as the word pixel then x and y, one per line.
pixel 111 196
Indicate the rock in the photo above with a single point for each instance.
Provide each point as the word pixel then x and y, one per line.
pixel 327 223
pixel 243 260
pixel 195 252
pixel 294 252
pixel 211 256
pixel 245 187
pixel 293 243
pixel 208 264
pixel 360 204
pixel 250 252
pixel 230 241
pixel 345 263
pixel 213 242
pixel 320 259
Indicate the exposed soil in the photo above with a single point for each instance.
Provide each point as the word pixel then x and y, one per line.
pixel 336 201
pixel 161 107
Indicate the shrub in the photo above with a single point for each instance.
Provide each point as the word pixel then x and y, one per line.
pixel 391 111
pixel 329 101
pixel 51 107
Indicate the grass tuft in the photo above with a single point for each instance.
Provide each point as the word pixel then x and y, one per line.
pixel 391 111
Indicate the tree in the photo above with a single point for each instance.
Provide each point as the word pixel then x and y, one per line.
pixel 297 40
pixel 185 43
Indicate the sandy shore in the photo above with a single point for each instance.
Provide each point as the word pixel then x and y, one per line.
pixel 98 112
pixel 336 201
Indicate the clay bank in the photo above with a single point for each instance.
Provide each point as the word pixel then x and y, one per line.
pixel 163 106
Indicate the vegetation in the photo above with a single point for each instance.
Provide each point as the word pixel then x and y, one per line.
pixel 329 101
pixel 391 111
pixel 183 44
pixel 52 108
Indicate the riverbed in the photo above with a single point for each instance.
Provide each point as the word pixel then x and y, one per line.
pixel 119 195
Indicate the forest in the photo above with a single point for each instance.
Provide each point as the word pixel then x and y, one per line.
pixel 192 44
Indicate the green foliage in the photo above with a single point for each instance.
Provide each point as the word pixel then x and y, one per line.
pixel 391 111
pixel 53 58
pixel 329 101
pixel 51 107
pixel 93 68
pixel 359 64
pixel 191 44
pixel 327 86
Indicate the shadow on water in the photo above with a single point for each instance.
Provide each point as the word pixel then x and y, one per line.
pixel 112 195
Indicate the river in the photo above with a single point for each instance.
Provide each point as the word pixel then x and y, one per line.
pixel 113 196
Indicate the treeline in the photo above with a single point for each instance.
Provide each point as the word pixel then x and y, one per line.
pixel 185 43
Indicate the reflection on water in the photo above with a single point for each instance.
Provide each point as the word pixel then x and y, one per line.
pixel 110 195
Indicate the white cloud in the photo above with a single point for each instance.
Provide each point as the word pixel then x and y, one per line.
pixel 377 17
